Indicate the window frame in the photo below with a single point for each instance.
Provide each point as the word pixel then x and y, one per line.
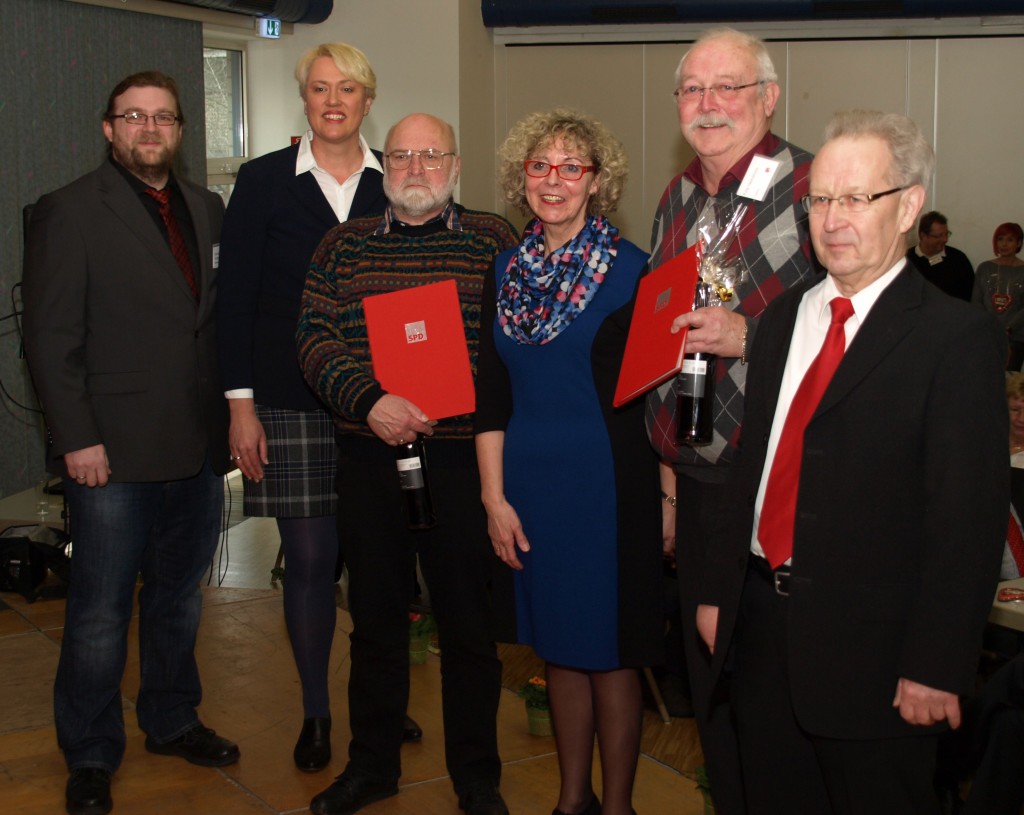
pixel 224 169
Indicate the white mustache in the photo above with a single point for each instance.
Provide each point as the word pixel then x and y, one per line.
pixel 712 120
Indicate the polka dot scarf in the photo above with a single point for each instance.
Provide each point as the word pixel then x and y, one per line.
pixel 539 296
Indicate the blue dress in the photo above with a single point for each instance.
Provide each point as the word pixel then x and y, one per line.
pixel 582 478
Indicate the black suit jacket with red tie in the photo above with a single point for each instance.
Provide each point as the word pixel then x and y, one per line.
pixel 901 509
pixel 120 351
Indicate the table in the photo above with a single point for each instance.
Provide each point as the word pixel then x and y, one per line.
pixel 1009 615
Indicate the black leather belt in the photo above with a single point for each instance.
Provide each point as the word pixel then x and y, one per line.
pixel 779 578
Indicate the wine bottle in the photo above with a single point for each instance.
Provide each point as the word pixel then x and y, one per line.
pixel 411 460
pixel 695 387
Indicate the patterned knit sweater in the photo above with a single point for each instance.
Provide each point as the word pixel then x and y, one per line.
pixel 775 243
pixel 353 262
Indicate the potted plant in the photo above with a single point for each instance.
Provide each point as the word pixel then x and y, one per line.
pixel 421 627
pixel 700 775
pixel 534 693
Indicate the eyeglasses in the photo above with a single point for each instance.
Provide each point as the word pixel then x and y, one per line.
pixel 725 92
pixel 818 204
pixel 567 172
pixel 133 117
pixel 431 159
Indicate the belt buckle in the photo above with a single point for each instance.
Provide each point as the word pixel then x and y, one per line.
pixel 780 580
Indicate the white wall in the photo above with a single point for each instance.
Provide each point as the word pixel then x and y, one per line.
pixel 412 46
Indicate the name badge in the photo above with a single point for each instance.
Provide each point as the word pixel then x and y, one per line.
pixel 216 256
pixel 759 177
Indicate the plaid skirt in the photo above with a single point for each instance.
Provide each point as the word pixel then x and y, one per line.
pixel 299 480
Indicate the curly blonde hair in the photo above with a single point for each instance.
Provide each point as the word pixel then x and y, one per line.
pixel 578 131
pixel 1015 385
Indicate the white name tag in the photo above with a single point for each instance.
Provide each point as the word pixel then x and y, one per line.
pixel 759 177
pixel 216 256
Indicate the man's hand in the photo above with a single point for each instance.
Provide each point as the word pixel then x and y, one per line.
pixel 398 421
pixel 707 625
pixel 713 330
pixel 919 704
pixel 88 466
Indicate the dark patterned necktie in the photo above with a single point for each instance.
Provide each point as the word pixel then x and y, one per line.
pixel 178 248
pixel 775 529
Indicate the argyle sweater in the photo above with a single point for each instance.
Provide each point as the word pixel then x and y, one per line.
pixel 359 259
pixel 775 243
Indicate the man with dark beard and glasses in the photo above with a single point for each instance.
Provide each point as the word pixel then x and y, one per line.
pixel 423 237
pixel 119 334
pixel 726 93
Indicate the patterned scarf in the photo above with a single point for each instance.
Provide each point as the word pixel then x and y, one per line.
pixel 538 297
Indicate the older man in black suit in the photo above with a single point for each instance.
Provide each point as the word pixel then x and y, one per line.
pixel 119 332
pixel 854 577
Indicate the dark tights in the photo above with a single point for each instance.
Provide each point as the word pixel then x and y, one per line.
pixel 310 553
pixel 607 704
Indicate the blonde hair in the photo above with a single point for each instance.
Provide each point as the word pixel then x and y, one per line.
pixel 349 60
pixel 578 130
pixel 1015 385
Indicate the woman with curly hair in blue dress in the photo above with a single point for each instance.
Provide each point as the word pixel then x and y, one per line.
pixel 569 483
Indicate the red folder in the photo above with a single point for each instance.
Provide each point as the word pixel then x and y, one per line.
pixel 653 353
pixel 418 347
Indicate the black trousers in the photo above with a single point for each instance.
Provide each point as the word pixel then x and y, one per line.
pixel 788 771
pixel 697 503
pixel 458 565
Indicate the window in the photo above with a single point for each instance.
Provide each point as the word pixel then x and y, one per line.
pixel 223 75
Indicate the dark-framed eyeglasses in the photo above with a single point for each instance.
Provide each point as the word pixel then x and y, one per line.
pixel 857 202
pixel 567 172
pixel 431 159
pixel 722 90
pixel 134 117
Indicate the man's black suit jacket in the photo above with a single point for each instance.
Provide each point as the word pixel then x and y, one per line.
pixel 901 510
pixel 274 223
pixel 120 352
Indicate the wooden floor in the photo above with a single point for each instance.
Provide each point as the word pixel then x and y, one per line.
pixel 252 696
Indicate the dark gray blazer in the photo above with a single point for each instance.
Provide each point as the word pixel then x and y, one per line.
pixel 120 352
pixel 901 509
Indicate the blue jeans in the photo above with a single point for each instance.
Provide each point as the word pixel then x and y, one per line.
pixel 167 532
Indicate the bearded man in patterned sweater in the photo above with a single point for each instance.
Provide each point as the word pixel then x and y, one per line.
pixel 726 92
pixel 424 237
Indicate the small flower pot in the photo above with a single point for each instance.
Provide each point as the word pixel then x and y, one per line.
pixel 418 649
pixel 538 722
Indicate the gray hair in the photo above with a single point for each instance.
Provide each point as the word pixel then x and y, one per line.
pixel 755 45
pixel 913 159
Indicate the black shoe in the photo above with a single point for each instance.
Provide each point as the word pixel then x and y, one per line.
pixel 410 730
pixel 88 792
pixel 482 798
pixel 350 793
pixel 313 749
pixel 198 745
pixel 593 808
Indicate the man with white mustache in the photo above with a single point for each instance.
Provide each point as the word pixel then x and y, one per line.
pixel 726 92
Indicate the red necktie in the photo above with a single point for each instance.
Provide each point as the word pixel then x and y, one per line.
pixel 1015 540
pixel 178 248
pixel 775 530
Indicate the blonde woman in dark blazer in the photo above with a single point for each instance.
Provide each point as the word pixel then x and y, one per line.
pixel 281 437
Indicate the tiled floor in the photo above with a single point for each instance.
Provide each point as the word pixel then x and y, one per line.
pixel 252 696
